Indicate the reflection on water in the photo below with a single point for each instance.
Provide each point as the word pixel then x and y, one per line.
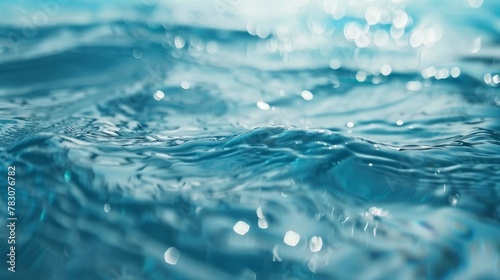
pixel 252 139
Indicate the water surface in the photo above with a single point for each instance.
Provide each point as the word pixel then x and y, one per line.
pixel 252 139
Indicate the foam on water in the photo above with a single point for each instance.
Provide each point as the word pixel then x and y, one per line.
pixel 253 140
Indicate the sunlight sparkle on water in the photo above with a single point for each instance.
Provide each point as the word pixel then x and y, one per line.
pixel 291 238
pixel 413 85
pixel 335 64
pixel 212 47
pixel 455 72
pixel 316 124
pixel 263 105
pixel 185 84
pixel 241 228
pixel 172 255
pixel 260 214
pixel 263 223
pixel 159 95
pixel 372 15
pixel 400 20
pixel 385 70
pixel 307 95
pixel 316 243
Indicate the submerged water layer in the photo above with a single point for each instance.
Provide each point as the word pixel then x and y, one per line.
pixel 252 140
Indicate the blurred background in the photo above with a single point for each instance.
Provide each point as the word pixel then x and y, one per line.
pixel 231 139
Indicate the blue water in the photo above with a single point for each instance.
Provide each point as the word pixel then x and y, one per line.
pixel 252 139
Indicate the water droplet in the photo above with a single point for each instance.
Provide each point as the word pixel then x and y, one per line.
pixel 107 208
pixel 399 122
pixel 350 124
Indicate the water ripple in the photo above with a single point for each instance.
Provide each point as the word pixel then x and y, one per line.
pixel 253 140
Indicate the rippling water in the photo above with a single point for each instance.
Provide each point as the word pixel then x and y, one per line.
pixel 252 139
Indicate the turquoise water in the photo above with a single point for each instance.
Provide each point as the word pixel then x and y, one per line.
pixel 252 139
